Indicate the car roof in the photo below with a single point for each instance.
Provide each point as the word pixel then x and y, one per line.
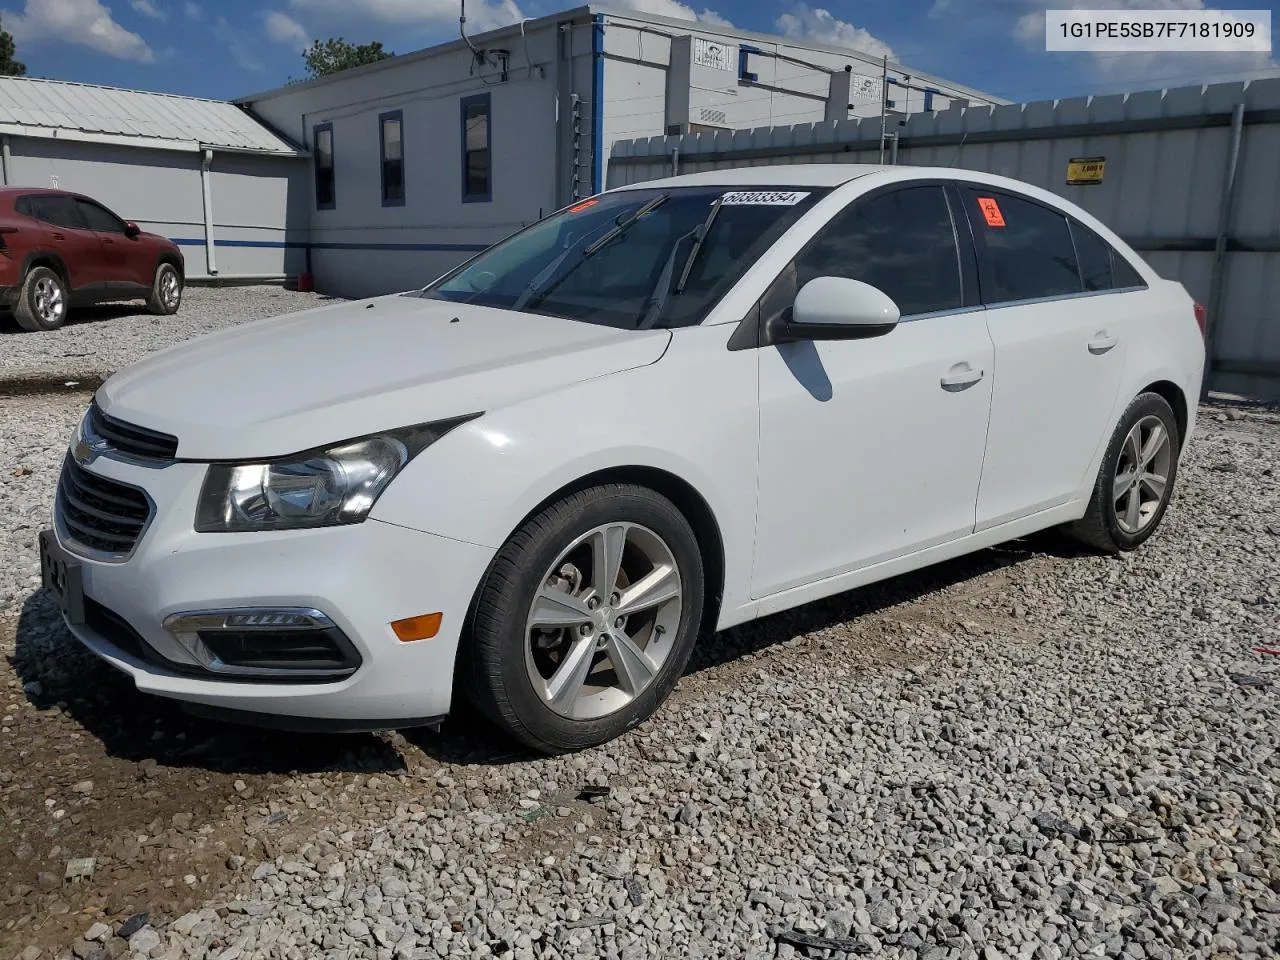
pixel 792 175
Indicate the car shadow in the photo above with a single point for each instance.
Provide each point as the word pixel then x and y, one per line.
pixel 93 313
pixel 57 673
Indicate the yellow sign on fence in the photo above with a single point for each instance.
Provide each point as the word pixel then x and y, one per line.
pixel 1085 171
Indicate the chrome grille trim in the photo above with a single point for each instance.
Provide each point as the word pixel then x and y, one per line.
pixel 140 443
pixel 97 517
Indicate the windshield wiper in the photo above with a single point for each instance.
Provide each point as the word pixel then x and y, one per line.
pixel 662 290
pixel 626 224
pixel 535 286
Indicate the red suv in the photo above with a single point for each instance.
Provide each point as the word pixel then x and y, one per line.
pixel 60 249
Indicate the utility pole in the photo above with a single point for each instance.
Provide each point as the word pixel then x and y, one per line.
pixel 884 102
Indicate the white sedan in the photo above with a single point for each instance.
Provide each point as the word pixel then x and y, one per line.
pixel 661 411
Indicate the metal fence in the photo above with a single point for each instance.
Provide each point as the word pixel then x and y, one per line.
pixel 1190 177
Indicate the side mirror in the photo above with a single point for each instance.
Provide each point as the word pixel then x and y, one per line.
pixel 131 229
pixel 838 308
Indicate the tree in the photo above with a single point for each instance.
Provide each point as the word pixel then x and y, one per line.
pixel 9 67
pixel 333 55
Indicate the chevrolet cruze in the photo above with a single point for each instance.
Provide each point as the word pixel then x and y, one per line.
pixel 663 410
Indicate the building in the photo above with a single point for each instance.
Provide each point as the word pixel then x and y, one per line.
pixel 202 172
pixel 422 159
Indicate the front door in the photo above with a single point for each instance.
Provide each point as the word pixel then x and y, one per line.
pixel 872 449
pixel 119 252
pixel 1059 345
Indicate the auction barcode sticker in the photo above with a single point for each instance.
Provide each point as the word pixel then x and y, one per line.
pixel 763 198
pixel 1162 31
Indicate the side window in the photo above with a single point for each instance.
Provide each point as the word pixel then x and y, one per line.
pixel 322 158
pixel 1094 255
pixel 477 184
pixel 390 137
pixel 1029 249
pixel 1123 273
pixel 902 242
pixel 99 218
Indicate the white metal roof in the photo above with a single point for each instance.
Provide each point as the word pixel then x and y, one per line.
pixel 55 109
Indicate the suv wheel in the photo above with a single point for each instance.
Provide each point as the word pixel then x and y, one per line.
pixel 42 302
pixel 166 291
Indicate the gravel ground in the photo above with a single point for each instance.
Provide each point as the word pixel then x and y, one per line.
pixel 100 339
pixel 1033 752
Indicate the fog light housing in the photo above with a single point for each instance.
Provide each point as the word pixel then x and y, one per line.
pixel 279 644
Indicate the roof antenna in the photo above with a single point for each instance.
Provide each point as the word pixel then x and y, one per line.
pixel 462 31
pixel 959 147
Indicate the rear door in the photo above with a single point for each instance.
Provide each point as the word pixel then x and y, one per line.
pixel 1059 353
pixel 70 238
pixel 121 255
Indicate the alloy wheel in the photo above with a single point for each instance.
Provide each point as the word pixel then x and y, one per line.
pixel 603 621
pixel 50 304
pixel 1142 474
pixel 169 289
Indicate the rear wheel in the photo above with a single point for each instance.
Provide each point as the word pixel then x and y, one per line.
pixel 166 290
pixel 1135 480
pixel 42 301
pixel 586 618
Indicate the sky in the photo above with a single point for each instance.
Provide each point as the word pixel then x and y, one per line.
pixel 230 48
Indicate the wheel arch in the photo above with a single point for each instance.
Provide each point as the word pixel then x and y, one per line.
pixel 46 258
pixel 173 259
pixel 691 504
pixel 1176 399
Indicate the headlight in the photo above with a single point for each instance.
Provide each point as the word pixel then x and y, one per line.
pixel 319 488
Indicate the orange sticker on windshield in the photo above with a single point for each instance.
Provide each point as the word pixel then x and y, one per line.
pixel 584 205
pixel 991 211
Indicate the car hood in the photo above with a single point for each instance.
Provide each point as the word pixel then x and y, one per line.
pixel 337 372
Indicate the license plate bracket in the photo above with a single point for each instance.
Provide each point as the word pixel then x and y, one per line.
pixel 63 577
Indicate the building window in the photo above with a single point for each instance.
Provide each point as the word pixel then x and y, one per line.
pixel 477 167
pixel 390 133
pixel 322 155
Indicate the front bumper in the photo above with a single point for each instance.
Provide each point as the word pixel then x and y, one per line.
pixel 362 576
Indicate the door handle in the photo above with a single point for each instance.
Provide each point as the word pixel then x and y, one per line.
pixel 1102 342
pixel 59 236
pixel 960 377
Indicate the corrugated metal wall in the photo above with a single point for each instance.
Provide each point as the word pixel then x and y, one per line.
pixel 1168 159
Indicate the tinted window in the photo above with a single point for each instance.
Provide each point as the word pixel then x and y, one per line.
pixel 322 157
pixel 901 242
pixel 630 258
pixel 1123 273
pixel 1094 256
pixel 59 211
pixel 392 158
pixel 475 148
pixel 1029 248
pixel 98 218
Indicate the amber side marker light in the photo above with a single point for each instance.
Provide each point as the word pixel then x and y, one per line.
pixel 422 627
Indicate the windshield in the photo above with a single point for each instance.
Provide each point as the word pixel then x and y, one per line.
pixel 631 259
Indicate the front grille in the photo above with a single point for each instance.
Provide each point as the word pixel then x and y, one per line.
pixel 99 513
pixel 131 440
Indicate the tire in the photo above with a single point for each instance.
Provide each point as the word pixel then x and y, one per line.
pixel 42 302
pixel 511 669
pixel 166 290
pixel 1113 523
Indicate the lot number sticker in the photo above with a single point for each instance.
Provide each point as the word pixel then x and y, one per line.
pixel 763 198
pixel 991 211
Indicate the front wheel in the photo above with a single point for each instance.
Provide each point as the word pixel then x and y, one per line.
pixel 166 290
pixel 586 618
pixel 1135 480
